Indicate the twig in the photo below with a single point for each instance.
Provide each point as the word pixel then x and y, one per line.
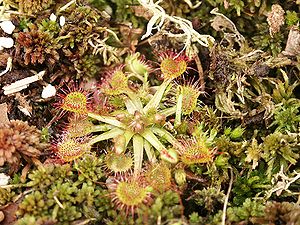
pixel 200 72
pixel 58 202
pixel 227 198
pixel 23 83
pixel 63 8
pixel 8 66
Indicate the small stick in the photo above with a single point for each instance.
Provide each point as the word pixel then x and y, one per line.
pixel 227 198
pixel 200 71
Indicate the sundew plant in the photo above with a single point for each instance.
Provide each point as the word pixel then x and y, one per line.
pixel 134 112
pixel 135 116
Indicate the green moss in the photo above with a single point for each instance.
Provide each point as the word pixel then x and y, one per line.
pixel 60 195
pixel 279 150
pixel 209 199
pixel 249 209
pixel 291 18
pixel 248 186
pixel 6 195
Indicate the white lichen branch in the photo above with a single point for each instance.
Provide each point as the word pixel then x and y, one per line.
pixel 283 183
pixel 190 4
pixel 160 17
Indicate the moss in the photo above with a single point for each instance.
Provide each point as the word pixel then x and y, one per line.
pixel 249 209
pixel 280 212
pixel 166 208
pixel 60 195
pixel 6 195
pixel 291 18
pixel 209 199
pixel 37 47
pixel 18 140
pixel 32 7
pixel 248 186
pixel 279 150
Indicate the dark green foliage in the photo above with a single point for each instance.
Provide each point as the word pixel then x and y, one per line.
pixel 59 194
pixel 287 118
pixel 280 150
pixel 120 10
pixel 248 186
pixel 273 44
pixel 246 212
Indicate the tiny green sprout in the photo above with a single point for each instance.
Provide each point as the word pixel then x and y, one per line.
pixel 180 176
pixel 45 134
pixel 227 131
pixel 237 133
pixel 222 160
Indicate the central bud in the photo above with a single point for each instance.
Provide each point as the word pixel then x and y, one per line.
pixel 138 123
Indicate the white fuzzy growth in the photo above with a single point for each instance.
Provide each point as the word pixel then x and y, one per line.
pixel 6 42
pixel 48 91
pixel 52 17
pixel 62 21
pixel 4 179
pixel 7 26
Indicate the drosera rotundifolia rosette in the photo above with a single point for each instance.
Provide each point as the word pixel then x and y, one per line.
pixel 140 121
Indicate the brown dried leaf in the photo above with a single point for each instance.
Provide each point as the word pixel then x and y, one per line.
pixel 24 105
pixel 292 47
pixel 219 23
pixel 142 12
pixel 3 114
pixel 10 214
